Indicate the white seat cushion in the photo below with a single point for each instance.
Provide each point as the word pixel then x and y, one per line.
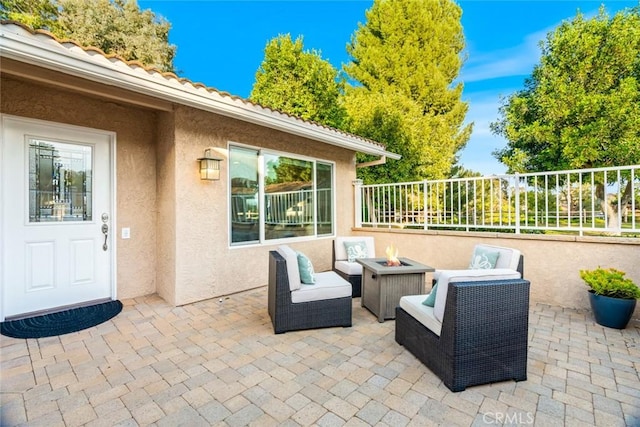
pixel 412 304
pixel 291 258
pixel 329 285
pixel 509 258
pixel 447 276
pixel 350 268
pixel 341 252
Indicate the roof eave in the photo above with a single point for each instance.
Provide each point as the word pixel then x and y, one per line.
pixel 116 73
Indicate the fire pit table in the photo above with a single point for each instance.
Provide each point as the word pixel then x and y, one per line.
pixel 384 285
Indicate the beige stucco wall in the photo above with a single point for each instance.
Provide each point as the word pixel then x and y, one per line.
pixel 166 222
pixel 136 176
pixel 551 263
pixel 206 265
pixel 179 245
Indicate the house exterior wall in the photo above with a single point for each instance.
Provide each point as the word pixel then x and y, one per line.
pixel 136 172
pixel 551 263
pixel 166 194
pixel 206 265
pixel 179 245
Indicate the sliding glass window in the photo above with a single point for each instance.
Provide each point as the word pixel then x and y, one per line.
pixel 245 208
pixel 324 198
pixel 297 196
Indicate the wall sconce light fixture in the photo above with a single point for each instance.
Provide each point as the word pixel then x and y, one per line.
pixel 209 166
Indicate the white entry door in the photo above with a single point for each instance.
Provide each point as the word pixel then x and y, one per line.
pixel 56 216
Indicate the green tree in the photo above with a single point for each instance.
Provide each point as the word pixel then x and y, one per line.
pixel 405 59
pixel 34 13
pixel 299 82
pixel 581 106
pixel 115 26
pixel 120 27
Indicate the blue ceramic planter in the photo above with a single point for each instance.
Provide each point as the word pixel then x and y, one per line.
pixel 612 312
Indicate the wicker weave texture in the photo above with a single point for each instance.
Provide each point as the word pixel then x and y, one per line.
pixel 484 335
pixel 287 316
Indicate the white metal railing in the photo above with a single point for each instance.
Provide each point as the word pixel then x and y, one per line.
pixel 602 201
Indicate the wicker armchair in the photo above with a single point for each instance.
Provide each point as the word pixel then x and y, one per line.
pixel 351 271
pixel 484 334
pixel 289 316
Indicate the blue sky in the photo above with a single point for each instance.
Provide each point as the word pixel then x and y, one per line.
pixel 221 44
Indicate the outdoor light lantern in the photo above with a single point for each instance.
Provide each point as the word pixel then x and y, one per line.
pixel 209 166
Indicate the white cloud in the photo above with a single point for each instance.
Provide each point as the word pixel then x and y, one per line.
pixel 513 61
pixel 517 60
pixel 484 103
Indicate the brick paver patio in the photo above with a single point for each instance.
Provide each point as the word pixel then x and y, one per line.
pixel 219 363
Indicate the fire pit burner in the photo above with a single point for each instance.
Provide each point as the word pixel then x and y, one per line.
pixel 400 264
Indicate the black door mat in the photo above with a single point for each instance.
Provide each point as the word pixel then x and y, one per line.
pixel 62 322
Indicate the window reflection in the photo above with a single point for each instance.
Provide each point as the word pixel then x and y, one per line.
pixel 60 182
pixel 297 196
pixel 289 201
pixel 245 220
pixel 324 196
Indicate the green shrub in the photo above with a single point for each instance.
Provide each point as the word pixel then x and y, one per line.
pixel 610 283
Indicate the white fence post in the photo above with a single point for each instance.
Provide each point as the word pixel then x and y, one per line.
pixel 517 207
pixel 357 197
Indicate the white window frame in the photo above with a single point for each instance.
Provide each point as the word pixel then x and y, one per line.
pixel 261 152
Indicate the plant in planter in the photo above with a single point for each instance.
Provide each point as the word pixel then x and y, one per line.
pixel 612 296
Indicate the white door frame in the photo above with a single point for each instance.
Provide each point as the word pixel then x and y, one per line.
pixel 4 119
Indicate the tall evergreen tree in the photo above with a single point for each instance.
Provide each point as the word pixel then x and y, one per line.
pixel 405 59
pixel 115 26
pixel 299 82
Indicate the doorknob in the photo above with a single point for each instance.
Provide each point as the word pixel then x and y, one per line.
pixel 105 231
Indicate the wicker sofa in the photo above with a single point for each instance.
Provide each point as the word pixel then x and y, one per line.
pixel 325 304
pixel 480 334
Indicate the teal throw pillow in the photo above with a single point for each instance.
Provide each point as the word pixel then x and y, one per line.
pixel 355 250
pixel 307 275
pixel 430 301
pixel 484 259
